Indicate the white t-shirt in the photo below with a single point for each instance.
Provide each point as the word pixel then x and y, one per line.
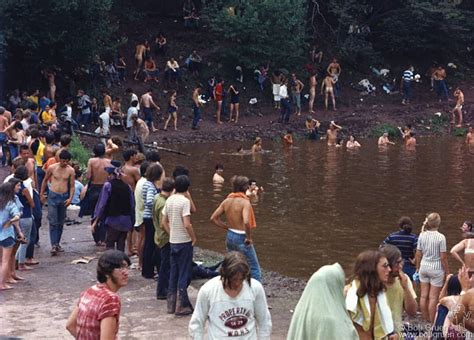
pixel 135 97
pixel 28 183
pixel 131 110
pixel 69 112
pixel 177 206
pixel 105 117
pixel 244 317
pixel 139 203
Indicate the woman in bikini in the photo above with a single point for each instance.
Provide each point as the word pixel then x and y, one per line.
pixel 234 102
pixel 466 245
pixel 172 111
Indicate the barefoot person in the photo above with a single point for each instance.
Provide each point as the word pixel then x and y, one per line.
pixel 131 174
pixel 217 178
pixel 147 104
pixel 257 145
pixel 233 291
pixel 172 111
pixel 296 87
pixel 470 136
pixel 219 96
pixel 234 102
pixel 332 133
pixel 97 313
pixel 352 143
pixel 312 92
pixel 458 108
pixel 328 87
pixel 240 222
pixel 140 50
pixel 61 191
pixel 196 107
pixel 466 246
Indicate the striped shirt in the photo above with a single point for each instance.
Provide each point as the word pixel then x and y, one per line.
pixel 404 241
pixel 176 207
pixel 139 203
pixel 407 75
pixel 431 243
pixel 148 195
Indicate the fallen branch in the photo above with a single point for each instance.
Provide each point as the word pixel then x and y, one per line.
pixel 141 146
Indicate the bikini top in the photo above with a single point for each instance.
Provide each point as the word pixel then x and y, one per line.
pixel 468 250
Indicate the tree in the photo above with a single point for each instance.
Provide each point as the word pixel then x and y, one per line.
pixel 253 32
pixel 66 34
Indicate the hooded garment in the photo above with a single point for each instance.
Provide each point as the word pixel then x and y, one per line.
pixel 321 311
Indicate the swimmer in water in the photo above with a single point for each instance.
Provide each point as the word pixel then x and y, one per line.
pixel 411 141
pixel 469 136
pixel 288 138
pixel 253 190
pixel 217 178
pixel 384 141
pixel 332 133
pixel 352 143
pixel 405 132
pixel 257 145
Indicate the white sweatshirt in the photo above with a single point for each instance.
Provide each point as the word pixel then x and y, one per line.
pixel 243 317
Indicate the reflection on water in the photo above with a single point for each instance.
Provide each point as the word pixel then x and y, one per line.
pixel 324 204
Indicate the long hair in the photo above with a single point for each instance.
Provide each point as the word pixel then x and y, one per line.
pixel 234 263
pixel 110 260
pixel 7 194
pixel 365 270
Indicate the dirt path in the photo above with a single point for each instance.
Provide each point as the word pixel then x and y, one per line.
pixel 39 307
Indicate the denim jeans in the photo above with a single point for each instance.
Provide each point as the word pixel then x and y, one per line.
pixel 164 274
pixel 150 253
pixel 181 263
pixel 13 151
pixel 285 110
pixel 25 226
pixel 409 269
pixel 148 112
pixel 30 249
pixel 407 89
pixel 56 216
pixel 84 119
pixel 40 174
pixel 441 89
pixel 296 98
pixel 197 115
pixel 236 242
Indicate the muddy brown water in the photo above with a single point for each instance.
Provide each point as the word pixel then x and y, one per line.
pixel 323 204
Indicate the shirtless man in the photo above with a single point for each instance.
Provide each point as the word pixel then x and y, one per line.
pixel 332 133
pixel 328 87
pixel 240 222
pixel 296 88
pixel 217 178
pixel 334 69
pixel 131 174
pixel 147 104
pixel 196 107
pixel 3 136
pixel 50 76
pixel 26 155
pixel 60 195
pixel 97 176
pixel 312 92
pixel 470 136
pixel 439 76
pixel 405 132
pixel 458 108
pixel 384 141
pixel 140 50
pixel 411 140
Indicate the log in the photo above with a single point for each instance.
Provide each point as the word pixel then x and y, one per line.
pixel 127 141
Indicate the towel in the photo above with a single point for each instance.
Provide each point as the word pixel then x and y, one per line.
pixel 359 309
pixel 252 220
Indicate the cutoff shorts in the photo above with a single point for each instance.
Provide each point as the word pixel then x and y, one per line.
pixel 435 277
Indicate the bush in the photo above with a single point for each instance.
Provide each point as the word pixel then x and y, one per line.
pixel 379 130
pixel 79 153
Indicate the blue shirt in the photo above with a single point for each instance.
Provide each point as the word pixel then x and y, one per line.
pixel 78 186
pixel 404 241
pixel 7 213
pixel 42 102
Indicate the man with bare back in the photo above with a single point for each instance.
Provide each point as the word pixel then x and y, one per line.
pixel 96 176
pixel 458 108
pixel 196 107
pixel 26 155
pixel 130 173
pixel 140 50
pixel 328 87
pixel 60 195
pixel 332 133
pixel 240 222
pixel 147 104
pixel 312 92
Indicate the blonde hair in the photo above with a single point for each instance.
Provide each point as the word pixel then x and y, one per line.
pixel 432 221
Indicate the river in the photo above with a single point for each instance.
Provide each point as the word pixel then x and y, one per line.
pixel 324 204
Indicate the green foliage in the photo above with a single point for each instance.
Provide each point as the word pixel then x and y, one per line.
pixel 79 152
pixel 253 32
pixel 62 33
pixel 380 129
pixel 460 132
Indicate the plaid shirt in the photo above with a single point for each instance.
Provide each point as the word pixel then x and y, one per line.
pixel 96 304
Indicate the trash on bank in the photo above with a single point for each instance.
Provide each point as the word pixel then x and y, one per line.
pixel 438 114
pixel 367 86
pixel 452 65
pixel 253 101
pixel 83 260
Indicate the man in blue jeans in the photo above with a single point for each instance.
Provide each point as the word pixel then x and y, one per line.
pixel 196 107
pixel 177 223
pixel 241 220
pixel 406 85
pixel 60 195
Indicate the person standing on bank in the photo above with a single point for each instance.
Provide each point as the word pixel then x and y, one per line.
pixel 115 208
pixel 240 222
pixel 177 223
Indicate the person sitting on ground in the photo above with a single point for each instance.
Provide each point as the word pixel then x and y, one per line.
pixel 97 312
pixel 288 138
pixel 257 145
pixel 321 310
pixel 401 296
pixel 352 143
pixel 217 178
pixel 233 290
pixel 312 128
pixel 384 141
pixel 253 190
pixel 151 72
pixel 332 134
